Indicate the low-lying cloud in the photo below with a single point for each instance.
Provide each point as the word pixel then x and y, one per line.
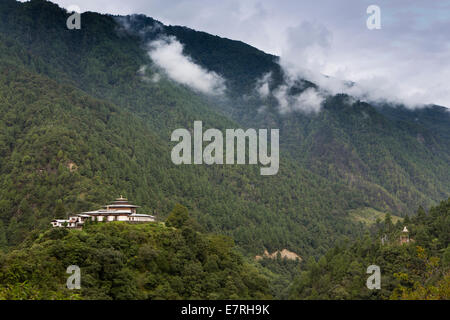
pixel 143 75
pixel 308 100
pixel 407 60
pixel 167 54
pixel 373 89
pixel 263 86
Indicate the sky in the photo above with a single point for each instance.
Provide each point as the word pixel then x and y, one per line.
pixel 406 60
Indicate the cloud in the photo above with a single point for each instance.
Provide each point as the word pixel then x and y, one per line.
pixel 308 100
pixel 307 56
pixel 262 85
pixel 408 59
pixel 307 45
pixel 167 53
pixel 378 89
pixel 406 62
pixel 142 73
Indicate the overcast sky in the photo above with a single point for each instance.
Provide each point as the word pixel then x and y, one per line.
pixel 408 58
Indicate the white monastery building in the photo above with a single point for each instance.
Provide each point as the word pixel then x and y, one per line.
pixel 119 210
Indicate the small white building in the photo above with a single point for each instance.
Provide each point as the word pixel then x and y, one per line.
pixel 119 210
pixel 59 223
pixel 136 217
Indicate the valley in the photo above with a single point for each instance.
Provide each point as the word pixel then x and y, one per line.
pixel 90 113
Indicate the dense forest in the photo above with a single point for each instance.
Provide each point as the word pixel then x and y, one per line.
pixel 173 260
pixel 124 261
pixel 114 128
pixel 419 269
pixel 81 124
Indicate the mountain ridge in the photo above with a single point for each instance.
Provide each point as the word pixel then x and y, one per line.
pixel 350 155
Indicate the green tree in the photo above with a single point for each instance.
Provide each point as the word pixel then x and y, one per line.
pixel 388 222
pixel 60 210
pixel 178 217
pixel 421 214
pixel 3 241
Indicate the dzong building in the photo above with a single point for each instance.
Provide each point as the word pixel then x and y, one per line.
pixel 119 210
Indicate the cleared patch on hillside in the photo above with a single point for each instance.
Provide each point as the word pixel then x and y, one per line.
pixel 285 253
pixel 369 216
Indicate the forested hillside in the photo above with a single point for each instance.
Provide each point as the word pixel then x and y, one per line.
pixel 174 261
pixel 419 269
pixel 122 261
pixel 80 124
pixel 62 146
pixel 384 149
pixel 116 135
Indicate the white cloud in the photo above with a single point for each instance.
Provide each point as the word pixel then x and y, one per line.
pixel 281 94
pixel 262 85
pixel 142 73
pixel 309 100
pixel 167 53
pixel 377 89
pixel 408 59
pixel 403 63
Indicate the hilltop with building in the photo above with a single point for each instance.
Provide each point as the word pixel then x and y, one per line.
pixel 119 210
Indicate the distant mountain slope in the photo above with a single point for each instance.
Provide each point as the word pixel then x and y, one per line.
pixel 123 148
pixel 80 92
pixel 415 270
pixel 46 126
pixel 239 63
pixel 399 157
